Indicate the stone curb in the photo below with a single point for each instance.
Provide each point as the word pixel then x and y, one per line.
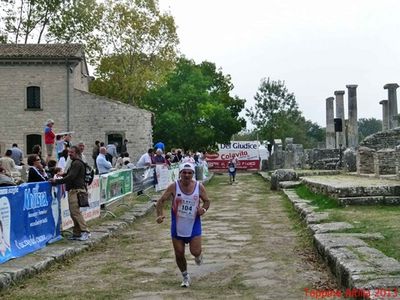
pixel 357 267
pixel 16 270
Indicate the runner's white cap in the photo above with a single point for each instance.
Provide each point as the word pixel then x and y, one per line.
pixel 186 166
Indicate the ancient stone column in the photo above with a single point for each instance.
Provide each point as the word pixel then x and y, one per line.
pixel 392 97
pixel 385 114
pixel 352 129
pixel 340 136
pixel 330 127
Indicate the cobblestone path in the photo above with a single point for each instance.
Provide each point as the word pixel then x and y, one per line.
pixel 250 252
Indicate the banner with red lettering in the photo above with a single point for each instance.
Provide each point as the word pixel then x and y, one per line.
pixel 245 152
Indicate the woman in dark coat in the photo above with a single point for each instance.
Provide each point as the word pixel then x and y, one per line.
pixel 36 171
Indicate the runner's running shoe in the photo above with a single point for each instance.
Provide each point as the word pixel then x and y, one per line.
pixel 186 281
pixel 199 260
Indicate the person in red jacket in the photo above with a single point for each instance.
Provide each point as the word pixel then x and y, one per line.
pixel 49 138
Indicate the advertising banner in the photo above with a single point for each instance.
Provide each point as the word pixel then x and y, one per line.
pixel 88 213
pixel 115 185
pixel 163 177
pixel 246 153
pixel 29 219
pixel 173 172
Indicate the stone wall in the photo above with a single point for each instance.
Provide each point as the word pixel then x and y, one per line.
pixel 294 156
pixel 94 117
pixel 382 139
pixel 91 117
pixel 365 160
pixel 15 120
pixel 385 162
pixel 377 153
pixel 322 159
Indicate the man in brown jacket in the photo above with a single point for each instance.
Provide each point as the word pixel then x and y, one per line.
pixel 75 183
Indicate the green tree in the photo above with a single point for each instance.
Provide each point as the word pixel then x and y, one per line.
pixel 140 48
pixel 315 134
pixel 368 126
pixel 276 115
pixel 194 108
pixel 246 135
pixel 130 43
pixel 28 21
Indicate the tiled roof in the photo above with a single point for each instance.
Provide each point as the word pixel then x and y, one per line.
pixel 39 51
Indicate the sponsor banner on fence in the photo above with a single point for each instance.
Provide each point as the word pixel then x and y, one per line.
pixel 115 185
pixel 174 172
pixel 246 153
pixel 88 213
pixel 30 218
pixel 163 177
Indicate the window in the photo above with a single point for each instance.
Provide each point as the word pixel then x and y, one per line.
pixel 32 140
pixel 33 97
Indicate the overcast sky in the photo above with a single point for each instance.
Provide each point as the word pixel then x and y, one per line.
pixel 315 46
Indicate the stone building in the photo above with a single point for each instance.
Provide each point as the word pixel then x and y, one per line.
pixel 50 81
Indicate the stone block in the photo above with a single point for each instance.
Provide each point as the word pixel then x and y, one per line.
pixel 316 217
pixel 289 184
pixel 326 241
pixel 5 280
pixel 329 227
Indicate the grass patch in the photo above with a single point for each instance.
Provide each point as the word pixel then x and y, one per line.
pixel 305 237
pixel 323 202
pixel 382 219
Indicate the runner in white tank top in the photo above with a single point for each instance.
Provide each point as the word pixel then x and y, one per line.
pixel 186 211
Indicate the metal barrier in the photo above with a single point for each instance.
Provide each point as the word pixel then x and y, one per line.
pixel 143 181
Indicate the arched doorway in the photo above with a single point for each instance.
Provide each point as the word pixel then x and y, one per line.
pixel 32 140
pixel 115 138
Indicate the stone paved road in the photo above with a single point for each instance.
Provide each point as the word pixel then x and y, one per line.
pixel 250 252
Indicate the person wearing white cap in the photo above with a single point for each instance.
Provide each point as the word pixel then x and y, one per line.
pixel 49 138
pixel 186 210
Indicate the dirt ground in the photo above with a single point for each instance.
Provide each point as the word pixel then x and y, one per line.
pixel 251 251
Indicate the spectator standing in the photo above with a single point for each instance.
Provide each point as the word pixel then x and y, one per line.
pixel 124 146
pixel 160 145
pixel 81 146
pixel 62 162
pixel 158 158
pixel 103 165
pixel 37 149
pixel 36 171
pixel 67 141
pixel 145 160
pixel 59 145
pixel 49 138
pixel 75 183
pixel 188 158
pixel 95 152
pixel 68 163
pixel 8 163
pixel 111 152
pixel 178 156
pixel 16 155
